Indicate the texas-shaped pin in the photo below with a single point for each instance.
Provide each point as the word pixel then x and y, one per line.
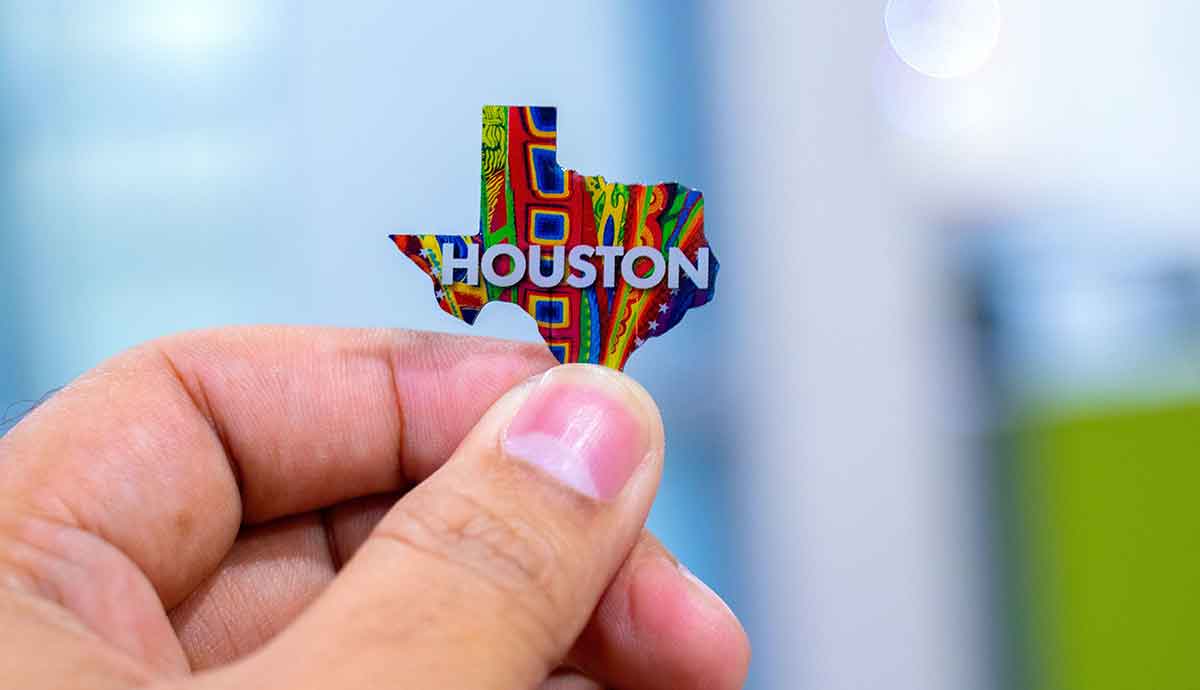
pixel 601 266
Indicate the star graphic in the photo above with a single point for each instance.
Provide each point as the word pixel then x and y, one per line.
pixel 662 308
pixel 639 341
pixel 654 325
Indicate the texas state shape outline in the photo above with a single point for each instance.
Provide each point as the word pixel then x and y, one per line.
pixel 527 199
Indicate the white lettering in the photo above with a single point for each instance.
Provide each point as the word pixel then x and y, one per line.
pixel 578 259
pixel 698 273
pixel 629 267
pixel 516 258
pixel 610 254
pixel 578 266
pixel 556 269
pixel 470 262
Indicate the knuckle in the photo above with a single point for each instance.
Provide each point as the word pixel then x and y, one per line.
pixel 501 549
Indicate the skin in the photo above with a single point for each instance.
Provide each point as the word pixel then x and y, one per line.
pixel 320 508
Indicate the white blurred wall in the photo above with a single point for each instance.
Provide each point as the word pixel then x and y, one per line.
pixel 849 360
pixel 846 441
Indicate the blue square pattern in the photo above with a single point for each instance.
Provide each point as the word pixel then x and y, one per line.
pixel 549 227
pixel 545 119
pixel 548 311
pixel 547 175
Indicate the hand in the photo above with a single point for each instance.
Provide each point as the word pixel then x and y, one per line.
pixel 311 508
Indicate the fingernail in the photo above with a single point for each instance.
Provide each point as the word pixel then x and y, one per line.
pixel 582 426
pixel 703 592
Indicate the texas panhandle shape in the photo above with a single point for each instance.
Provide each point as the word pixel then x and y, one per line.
pixel 602 267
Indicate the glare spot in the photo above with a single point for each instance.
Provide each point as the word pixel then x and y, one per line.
pixel 192 26
pixel 943 38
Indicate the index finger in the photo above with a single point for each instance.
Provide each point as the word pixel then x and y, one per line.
pixel 164 451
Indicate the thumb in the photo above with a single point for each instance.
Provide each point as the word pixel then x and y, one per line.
pixel 484 575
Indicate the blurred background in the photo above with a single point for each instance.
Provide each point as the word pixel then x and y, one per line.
pixel 940 428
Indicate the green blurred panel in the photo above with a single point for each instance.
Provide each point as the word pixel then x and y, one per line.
pixel 1112 517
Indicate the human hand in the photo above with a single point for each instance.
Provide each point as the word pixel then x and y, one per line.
pixel 188 506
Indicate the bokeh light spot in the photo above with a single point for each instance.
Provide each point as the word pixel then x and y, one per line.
pixel 943 38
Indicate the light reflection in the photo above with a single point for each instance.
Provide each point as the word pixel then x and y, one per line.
pixel 943 38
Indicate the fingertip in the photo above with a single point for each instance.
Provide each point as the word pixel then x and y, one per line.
pixel 659 628
pixel 693 630
pixel 591 428
pixel 726 637
pixel 635 393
